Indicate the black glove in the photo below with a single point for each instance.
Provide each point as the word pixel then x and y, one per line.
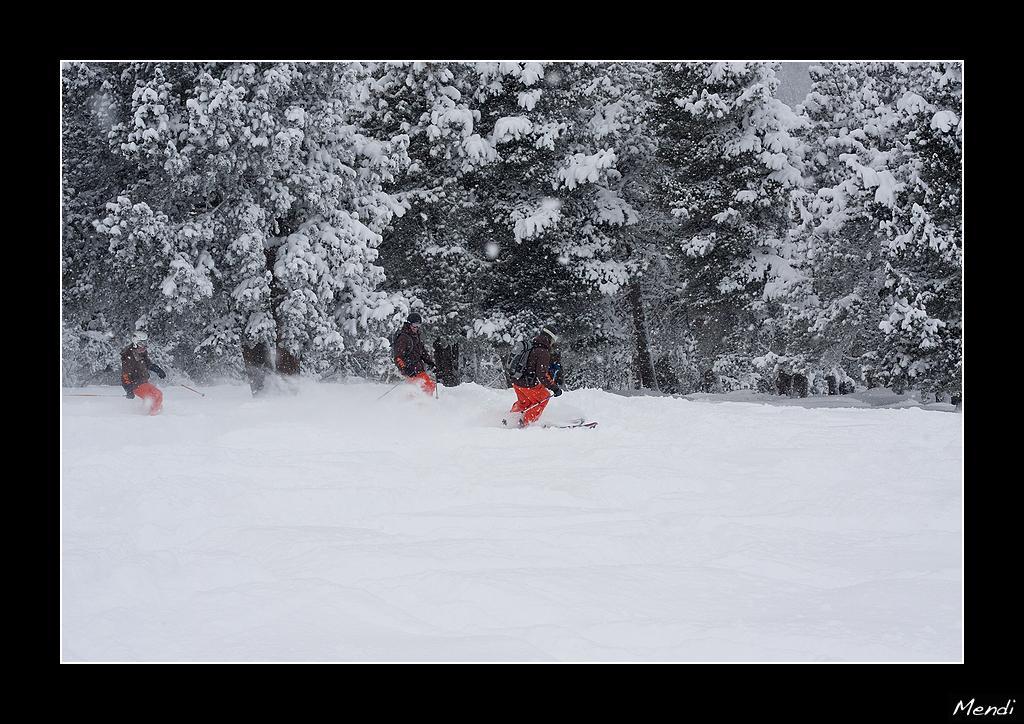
pixel 161 373
pixel 557 391
pixel 130 395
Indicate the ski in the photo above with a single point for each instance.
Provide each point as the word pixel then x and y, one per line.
pixel 578 422
pixel 581 423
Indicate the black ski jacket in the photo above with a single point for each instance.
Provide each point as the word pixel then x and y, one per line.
pixel 135 367
pixel 410 352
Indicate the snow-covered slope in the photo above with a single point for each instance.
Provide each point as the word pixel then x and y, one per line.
pixel 331 525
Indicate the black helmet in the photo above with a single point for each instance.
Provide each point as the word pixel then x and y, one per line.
pixel 415 318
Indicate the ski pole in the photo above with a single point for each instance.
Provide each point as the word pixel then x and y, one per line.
pixel 189 388
pixel 392 388
pixel 490 382
pixel 524 410
pixel 537 403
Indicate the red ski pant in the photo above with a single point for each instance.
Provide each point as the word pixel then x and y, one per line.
pixel 151 395
pixel 527 396
pixel 424 381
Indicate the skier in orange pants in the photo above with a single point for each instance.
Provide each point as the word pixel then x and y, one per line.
pixel 534 380
pixel 411 356
pixel 135 368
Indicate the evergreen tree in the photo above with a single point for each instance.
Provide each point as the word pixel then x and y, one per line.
pixel 880 236
pixel 733 160
pixel 90 174
pixel 256 208
pixel 854 131
pixel 679 226
pixel 437 253
pixel 922 324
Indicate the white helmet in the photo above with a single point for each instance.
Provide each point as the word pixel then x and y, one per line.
pixel 139 336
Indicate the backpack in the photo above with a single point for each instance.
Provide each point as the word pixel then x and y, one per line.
pixel 518 357
pixel 394 340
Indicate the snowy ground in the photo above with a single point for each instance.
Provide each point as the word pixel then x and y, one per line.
pixel 331 526
pixel 878 398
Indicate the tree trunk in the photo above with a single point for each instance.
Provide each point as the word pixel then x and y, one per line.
pixel 641 351
pixel 446 355
pixel 285 362
pixel 259 358
pixel 800 385
pixel 668 381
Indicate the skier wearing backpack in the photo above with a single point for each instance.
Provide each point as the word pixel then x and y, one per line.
pixel 135 368
pixel 532 379
pixel 411 356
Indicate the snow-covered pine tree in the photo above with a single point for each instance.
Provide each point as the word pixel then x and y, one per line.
pixel 880 236
pixel 560 203
pixel 734 159
pixel 241 207
pixel 154 271
pixel 326 241
pixel 91 175
pixel 437 253
pixel 854 132
pixel 603 181
pixel 526 116
pixel 922 322
pixel 255 209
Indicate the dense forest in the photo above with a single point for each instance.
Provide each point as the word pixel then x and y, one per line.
pixel 680 227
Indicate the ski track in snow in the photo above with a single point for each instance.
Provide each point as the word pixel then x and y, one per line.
pixel 331 526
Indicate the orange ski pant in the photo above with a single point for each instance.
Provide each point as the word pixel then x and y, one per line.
pixel 153 397
pixel 527 396
pixel 424 381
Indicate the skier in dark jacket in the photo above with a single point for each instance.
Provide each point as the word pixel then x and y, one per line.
pixel 532 387
pixel 411 356
pixel 135 368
